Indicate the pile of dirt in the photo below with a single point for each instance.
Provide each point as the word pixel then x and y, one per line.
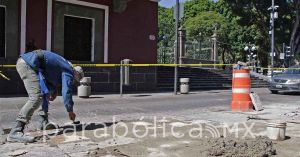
pixel 232 147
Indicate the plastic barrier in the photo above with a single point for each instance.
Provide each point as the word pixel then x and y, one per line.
pixel 241 84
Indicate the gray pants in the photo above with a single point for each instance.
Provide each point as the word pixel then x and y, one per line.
pixel 31 82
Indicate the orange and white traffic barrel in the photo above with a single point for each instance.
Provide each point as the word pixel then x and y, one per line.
pixel 241 85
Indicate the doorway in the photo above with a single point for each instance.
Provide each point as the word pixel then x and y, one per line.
pixel 78 38
pixel 2 32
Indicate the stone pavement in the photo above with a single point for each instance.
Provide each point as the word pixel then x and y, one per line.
pixel 157 124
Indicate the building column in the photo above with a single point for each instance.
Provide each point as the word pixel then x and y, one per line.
pixel 23 26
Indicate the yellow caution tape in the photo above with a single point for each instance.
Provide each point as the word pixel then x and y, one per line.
pixel 2 75
pixel 157 65
pixel 7 66
pixel 135 65
pixel 149 65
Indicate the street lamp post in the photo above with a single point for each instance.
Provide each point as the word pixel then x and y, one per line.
pixel 250 48
pixel 176 47
pixel 274 15
pixel 200 46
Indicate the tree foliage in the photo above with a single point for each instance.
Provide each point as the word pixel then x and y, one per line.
pixel 238 22
pixel 255 13
pixel 166 25
pixel 205 22
pixel 232 36
pixel 295 36
pixel 166 34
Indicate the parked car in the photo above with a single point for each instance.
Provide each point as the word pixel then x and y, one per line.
pixel 288 81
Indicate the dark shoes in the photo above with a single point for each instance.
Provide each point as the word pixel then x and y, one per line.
pixel 17 134
pixel 43 123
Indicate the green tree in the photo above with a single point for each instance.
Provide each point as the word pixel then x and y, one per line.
pixel 194 7
pixel 205 23
pixel 295 35
pixel 231 36
pixel 235 36
pixel 255 13
pixel 166 34
pixel 238 22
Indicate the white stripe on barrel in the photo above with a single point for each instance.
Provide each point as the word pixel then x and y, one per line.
pixel 240 90
pixel 241 75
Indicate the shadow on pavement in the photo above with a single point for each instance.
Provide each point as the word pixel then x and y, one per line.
pixel 81 127
pixel 290 93
pixel 142 95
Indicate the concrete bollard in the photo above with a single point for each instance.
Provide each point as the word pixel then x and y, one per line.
pixel 184 85
pixel 126 72
pixel 84 90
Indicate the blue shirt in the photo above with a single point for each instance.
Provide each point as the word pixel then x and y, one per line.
pixel 57 72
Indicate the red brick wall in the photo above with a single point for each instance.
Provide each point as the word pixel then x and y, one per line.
pixel 128 31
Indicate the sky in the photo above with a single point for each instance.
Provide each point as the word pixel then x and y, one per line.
pixel 168 3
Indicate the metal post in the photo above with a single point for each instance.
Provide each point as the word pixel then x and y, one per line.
pixel 194 47
pixel 164 55
pixel 249 52
pixel 176 48
pixel 200 38
pixel 272 38
pixel 181 38
pixel 283 51
pixel 215 53
pixel 121 79
pixel 250 55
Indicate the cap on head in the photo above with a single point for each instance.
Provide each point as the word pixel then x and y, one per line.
pixel 78 73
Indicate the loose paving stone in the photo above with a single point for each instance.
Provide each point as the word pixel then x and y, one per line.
pixel 3 135
pixel 117 141
pixel 1 131
pixel 44 151
pixel 75 138
pixel 3 139
pixel 18 153
pixel 84 146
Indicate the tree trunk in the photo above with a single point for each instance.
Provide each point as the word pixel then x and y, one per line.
pixel 295 36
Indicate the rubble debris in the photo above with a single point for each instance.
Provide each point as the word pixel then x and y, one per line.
pixel 258 147
pixel 2 137
pixel 294 115
pixel 52 144
pixel 4 131
pixel 18 153
pixel 107 151
pixel 267 119
pixel 256 101
pixel 75 138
